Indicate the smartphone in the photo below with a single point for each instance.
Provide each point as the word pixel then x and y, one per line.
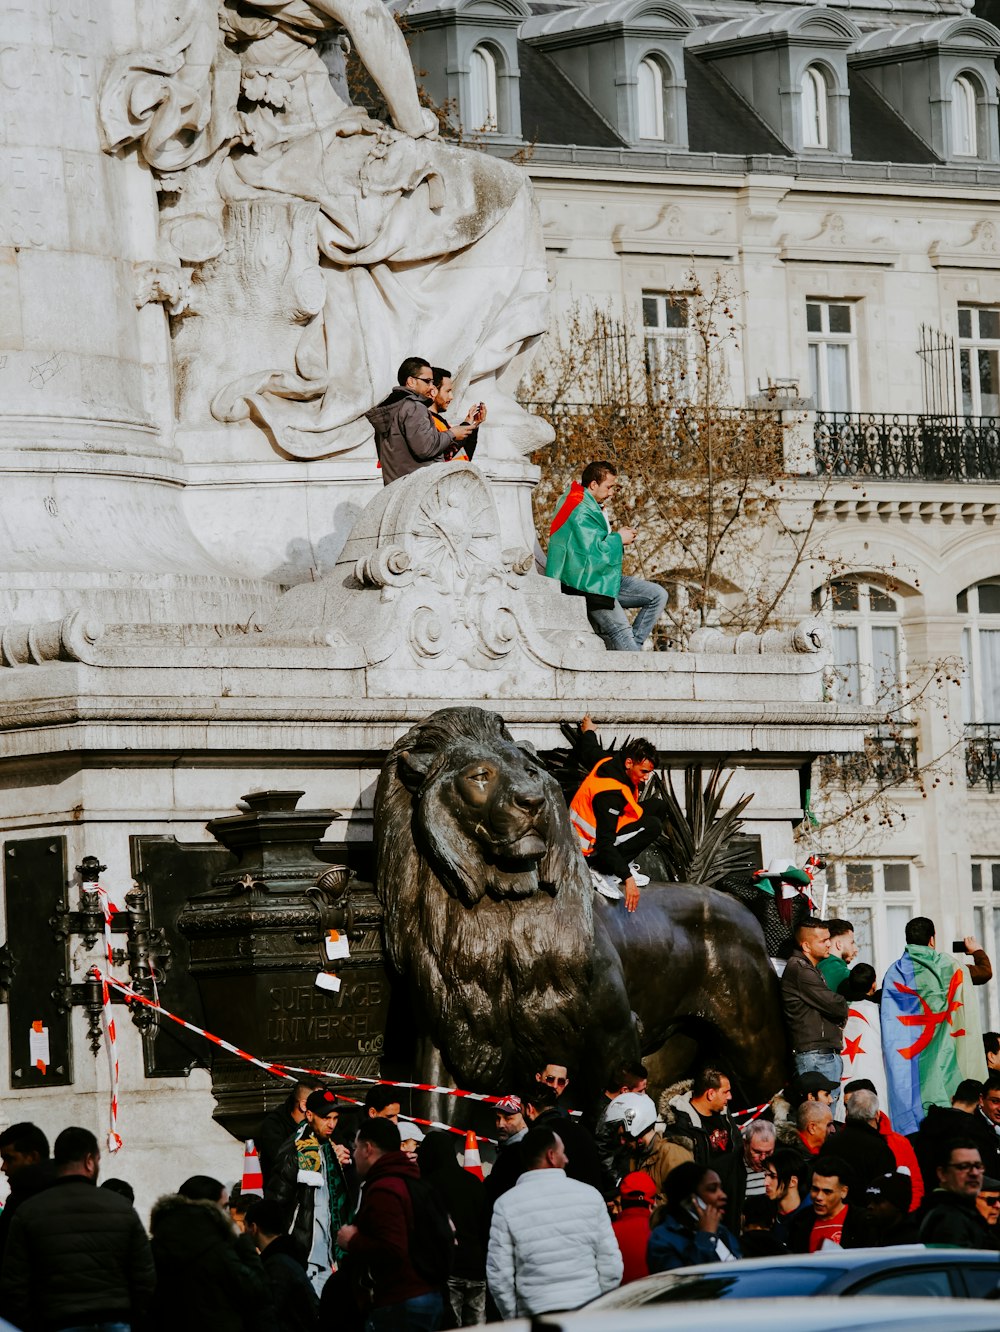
pixel 959 946
pixel 699 1203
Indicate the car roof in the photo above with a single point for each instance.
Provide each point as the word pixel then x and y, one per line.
pixel 815 1314
pixel 915 1253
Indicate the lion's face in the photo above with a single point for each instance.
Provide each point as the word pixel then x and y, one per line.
pixel 488 817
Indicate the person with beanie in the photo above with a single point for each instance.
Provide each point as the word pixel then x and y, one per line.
pixel 631 1225
pixel 692 1230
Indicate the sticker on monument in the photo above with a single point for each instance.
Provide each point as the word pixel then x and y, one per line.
pixel 337 945
pixel 38 1047
pixel 326 980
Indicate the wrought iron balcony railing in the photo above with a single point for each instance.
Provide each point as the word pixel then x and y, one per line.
pixel 982 755
pixel 908 447
pixel 884 761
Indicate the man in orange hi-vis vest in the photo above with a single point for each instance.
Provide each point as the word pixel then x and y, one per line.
pixel 607 816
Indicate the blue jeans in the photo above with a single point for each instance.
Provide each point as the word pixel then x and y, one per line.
pixel 613 625
pixel 826 1062
pixel 424 1313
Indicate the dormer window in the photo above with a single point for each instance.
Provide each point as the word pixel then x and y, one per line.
pixel 651 118
pixel 483 91
pixel 964 117
pixel 815 112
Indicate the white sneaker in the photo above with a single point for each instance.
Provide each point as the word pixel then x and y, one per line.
pixel 607 886
pixel 641 880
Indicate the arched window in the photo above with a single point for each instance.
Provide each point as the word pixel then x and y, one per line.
pixel 652 123
pixel 483 91
pixel 815 117
pixel 981 650
pixel 964 127
pixel 866 640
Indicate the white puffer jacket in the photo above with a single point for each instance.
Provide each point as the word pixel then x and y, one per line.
pixel 551 1246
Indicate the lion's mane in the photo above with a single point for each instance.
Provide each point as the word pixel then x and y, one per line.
pixel 497 961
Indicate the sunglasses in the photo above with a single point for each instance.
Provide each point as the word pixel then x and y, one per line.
pixel 551 1081
pixel 990 1199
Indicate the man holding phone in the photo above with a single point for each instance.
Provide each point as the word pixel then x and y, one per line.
pixel 406 437
pixel 440 401
pixel 586 556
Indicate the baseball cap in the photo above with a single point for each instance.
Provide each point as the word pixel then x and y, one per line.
pixel 638 1184
pixel 895 1188
pixel 635 1111
pixel 509 1105
pixel 410 1131
pixel 804 1083
pixel 322 1103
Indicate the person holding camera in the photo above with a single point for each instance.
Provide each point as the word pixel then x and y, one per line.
pixel 931 1037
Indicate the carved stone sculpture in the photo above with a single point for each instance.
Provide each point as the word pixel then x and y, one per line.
pixel 305 248
pixel 510 957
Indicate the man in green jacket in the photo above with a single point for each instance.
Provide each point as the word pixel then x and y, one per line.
pixel 586 556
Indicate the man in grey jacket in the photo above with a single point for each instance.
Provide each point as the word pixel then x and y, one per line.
pixel 815 1015
pixel 405 434
pixel 551 1243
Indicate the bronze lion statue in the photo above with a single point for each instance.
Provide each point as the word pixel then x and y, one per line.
pixel 509 956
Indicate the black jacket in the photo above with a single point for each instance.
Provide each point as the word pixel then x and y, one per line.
pixel 23 1185
pixel 857 1230
pixel 815 1016
pixel 584 1161
pixel 276 1128
pixel 299 1200
pixel 953 1218
pixel 941 1123
pixel 507 1170
pixel 296 1303
pixel 463 1197
pixel 865 1150
pixel 206 1275
pixel 76 1254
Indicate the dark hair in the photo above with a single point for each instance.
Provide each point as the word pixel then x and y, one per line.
pixel 991 1045
pixel 858 982
pixel 411 368
pixel 267 1216
pixel 440 375
pixel 992 1083
pixel 920 930
pixel 639 750
pixel 760 1211
pixel 833 1165
pixel 839 927
pixel 682 1181
pixel 121 1186
pixel 25 1138
pixel 73 1145
pixel 541 1096
pixel 810 923
pixel 788 1162
pixel 967 1091
pixel 597 471
pixel 202 1188
pixel 535 1143
pixel 942 1157
pixel 859 1084
pixel 378 1098
pixel 625 1075
pixel 381 1133
pixel 706 1078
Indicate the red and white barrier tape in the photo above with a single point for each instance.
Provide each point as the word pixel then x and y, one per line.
pixel 283 1071
pixel 114 1138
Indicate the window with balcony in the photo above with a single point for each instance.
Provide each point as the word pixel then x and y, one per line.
pixel 979 359
pixel 964 118
pixel 878 897
pixel 981 652
pixel 815 109
pixel 667 334
pixel 866 640
pixel 830 326
pixel 483 91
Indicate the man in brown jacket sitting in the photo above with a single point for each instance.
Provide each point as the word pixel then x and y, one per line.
pixel 814 1014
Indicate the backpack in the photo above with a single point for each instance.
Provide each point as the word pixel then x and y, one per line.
pixel 432 1239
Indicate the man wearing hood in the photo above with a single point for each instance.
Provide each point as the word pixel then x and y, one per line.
pixel 380 1243
pixel 406 437
pixel 312 1181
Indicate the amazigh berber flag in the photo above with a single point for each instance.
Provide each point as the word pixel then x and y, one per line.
pixel 931 1036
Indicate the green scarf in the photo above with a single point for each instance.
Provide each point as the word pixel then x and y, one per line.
pixel 315 1157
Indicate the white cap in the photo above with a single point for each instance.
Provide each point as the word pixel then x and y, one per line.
pixel 634 1110
pixel 409 1131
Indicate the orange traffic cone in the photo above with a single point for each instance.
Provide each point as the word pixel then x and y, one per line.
pixel 253 1180
pixel 473 1163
